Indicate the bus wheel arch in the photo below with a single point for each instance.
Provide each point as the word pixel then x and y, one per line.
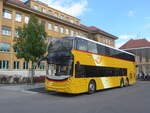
pixel 121 83
pixel 92 87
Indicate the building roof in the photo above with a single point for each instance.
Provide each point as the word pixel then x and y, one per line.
pixel 17 1
pixel 98 30
pixel 140 43
pixel 91 29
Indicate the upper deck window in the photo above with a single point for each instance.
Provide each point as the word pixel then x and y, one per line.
pixel 82 44
pixel 92 47
pixel 61 45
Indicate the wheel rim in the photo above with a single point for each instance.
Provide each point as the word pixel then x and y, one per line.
pixel 92 87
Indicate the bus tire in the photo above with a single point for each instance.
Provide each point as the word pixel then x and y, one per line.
pixel 127 82
pixel 91 87
pixel 121 83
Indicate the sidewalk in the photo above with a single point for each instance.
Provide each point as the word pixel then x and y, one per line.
pixel 22 87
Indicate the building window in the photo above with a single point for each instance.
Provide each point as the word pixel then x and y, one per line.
pixel 26 19
pixel 76 33
pixel 6 30
pixel 55 14
pixel 43 10
pixel 61 29
pixel 7 14
pixel 49 26
pixel 4 64
pixel 67 31
pixel 72 33
pixel 71 21
pixel 56 28
pixel 34 65
pixel 18 17
pixel 43 22
pixel 4 47
pixel 25 65
pixel 62 17
pixel 41 66
pixel 35 7
pixel 50 12
pixel 16 33
pixel 16 64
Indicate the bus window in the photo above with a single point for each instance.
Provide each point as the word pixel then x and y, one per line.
pixel 82 44
pixel 92 47
pixel 101 49
pixel 107 51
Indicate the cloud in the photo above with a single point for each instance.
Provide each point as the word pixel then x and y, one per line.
pixel 148 25
pixel 68 6
pixel 131 13
pixel 130 36
pixel 147 18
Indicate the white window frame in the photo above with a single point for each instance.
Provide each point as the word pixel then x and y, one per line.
pixel 6 30
pixel 62 29
pixel 67 31
pixel 26 65
pixel 4 64
pixel 56 28
pixel 50 27
pixel 7 14
pixel 16 65
pixel 44 10
pixel 35 7
pixel 72 33
pixel 26 19
pixel 18 17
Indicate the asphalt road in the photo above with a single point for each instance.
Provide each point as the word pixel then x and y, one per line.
pixel 132 99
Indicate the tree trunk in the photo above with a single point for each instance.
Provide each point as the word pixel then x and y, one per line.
pixel 32 73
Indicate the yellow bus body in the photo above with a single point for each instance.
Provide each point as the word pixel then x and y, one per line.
pixel 75 85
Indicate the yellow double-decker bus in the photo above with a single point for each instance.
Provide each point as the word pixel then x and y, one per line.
pixel 77 65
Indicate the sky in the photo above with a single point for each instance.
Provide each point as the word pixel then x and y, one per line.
pixel 126 19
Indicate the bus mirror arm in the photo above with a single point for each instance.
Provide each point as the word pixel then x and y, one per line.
pixel 42 59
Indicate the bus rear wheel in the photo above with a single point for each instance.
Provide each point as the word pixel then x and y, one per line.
pixel 92 87
pixel 121 83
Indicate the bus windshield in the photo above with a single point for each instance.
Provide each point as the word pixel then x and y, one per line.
pixel 60 69
pixel 60 45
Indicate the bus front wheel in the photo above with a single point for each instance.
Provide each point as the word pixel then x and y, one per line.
pixel 92 87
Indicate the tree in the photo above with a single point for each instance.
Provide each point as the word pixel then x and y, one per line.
pixel 31 44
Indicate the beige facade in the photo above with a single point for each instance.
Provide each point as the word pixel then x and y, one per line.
pixel 13 15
